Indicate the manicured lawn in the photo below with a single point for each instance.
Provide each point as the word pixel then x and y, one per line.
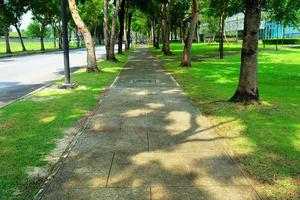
pixel 264 138
pixel 31 47
pixel 30 128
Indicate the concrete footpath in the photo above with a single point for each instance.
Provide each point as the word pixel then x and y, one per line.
pixel 147 141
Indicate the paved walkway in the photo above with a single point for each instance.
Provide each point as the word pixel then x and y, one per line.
pixel 147 141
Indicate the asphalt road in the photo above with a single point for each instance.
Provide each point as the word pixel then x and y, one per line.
pixel 21 75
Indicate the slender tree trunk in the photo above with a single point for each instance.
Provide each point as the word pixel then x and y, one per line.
pixel 113 31
pixel 106 29
pixel 77 38
pixel 222 26
pixel 186 58
pixel 20 37
pixel 157 36
pixel 166 27
pixel 128 32
pixel 247 90
pixel 283 35
pixel 277 35
pixel 7 43
pixel 121 32
pixel 89 44
pixel 42 37
pixel 54 36
pixel 181 31
pixel 5 26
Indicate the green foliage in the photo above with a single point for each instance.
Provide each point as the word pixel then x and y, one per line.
pixel 34 30
pixel 286 11
pixel 88 7
pixel 139 23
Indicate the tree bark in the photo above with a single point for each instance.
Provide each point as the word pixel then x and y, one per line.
pixel 222 26
pixel 128 32
pixel 121 32
pixel 42 37
pixel 113 31
pixel 20 37
pixel 165 25
pixel 186 58
pixel 157 36
pixel 89 44
pixel 247 91
pixel 277 35
pixel 106 29
pixel 54 35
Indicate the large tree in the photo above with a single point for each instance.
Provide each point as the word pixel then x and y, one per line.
pixel 247 90
pixel 186 58
pixel 89 43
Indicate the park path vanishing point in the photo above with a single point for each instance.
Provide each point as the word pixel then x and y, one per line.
pixel 147 141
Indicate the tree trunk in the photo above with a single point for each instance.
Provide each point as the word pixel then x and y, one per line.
pixel 222 26
pixel 77 38
pixel 20 37
pixel 247 91
pixel 113 31
pixel 283 34
pixel 186 58
pixel 121 20
pixel 54 36
pixel 128 34
pixel 277 35
pixel 5 27
pixel 89 44
pixel 157 36
pixel 42 37
pixel 166 27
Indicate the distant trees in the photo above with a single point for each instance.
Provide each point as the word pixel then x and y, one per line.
pixel 34 30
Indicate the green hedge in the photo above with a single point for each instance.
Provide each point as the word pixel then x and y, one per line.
pixel 283 41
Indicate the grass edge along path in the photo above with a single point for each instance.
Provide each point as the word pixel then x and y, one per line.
pixel 30 128
pixel 264 139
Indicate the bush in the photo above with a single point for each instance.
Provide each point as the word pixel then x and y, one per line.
pixel 283 41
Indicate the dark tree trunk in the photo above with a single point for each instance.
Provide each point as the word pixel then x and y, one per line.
pixel 7 43
pixel 247 91
pixel 113 30
pixel 54 36
pixel 186 58
pixel 77 38
pixel 121 32
pixel 277 35
pixel 20 37
pixel 157 36
pixel 128 31
pixel 165 25
pixel 222 26
pixel 106 30
pixel 42 37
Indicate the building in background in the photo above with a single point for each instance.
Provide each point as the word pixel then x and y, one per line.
pixel 234 27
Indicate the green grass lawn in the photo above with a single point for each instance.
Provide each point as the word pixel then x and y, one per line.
pixel 264 138
pixel 32 47
pixel 29 128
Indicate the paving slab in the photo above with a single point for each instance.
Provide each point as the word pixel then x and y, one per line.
pixel 146 140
